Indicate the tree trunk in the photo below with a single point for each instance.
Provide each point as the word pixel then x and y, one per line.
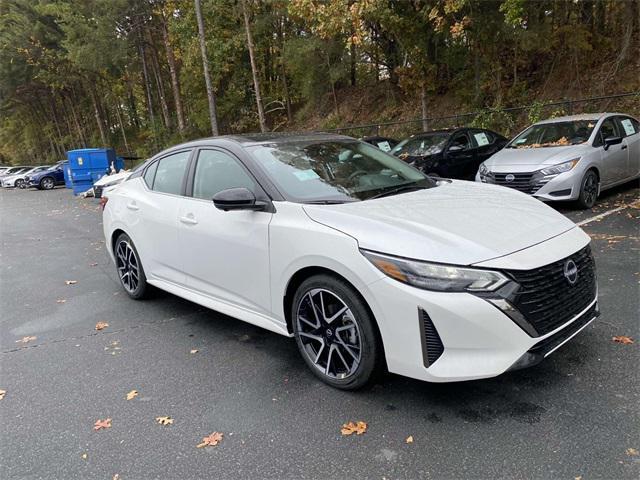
pixel 124 135
pixel 145 76
pixel 423 103
pixel 213 116
pixel 96 112
pixel 352 63
pixel 333 87
pixel 254 69
pixel 175 84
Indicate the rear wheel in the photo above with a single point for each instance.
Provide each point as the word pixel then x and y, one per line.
pixel 130 271
pixel 47 183
pixel 588 190
pixel 20 183
pixel 335 332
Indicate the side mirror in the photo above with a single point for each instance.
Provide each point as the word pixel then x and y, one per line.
pixel 611 141
pixel 237 199
pixel 456 148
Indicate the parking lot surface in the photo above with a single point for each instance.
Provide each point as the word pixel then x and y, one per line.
pixel 573 416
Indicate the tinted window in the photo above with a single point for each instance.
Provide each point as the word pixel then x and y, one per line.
pixel 217 171
pixel 170 173
pixel 429 144
pixel 150 173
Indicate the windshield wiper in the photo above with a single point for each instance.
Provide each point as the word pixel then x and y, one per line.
pixel 404 188
pixel 327 202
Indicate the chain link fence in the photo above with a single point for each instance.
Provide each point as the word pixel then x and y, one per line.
pixel 507 121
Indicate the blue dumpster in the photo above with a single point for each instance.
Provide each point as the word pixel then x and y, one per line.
pixel 88 165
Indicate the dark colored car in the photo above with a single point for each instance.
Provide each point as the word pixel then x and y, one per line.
pixel 46 179
pixel 383 143
pixel 450 153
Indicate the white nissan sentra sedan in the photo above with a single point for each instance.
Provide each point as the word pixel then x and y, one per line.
pixel 568 158
pixel 366 261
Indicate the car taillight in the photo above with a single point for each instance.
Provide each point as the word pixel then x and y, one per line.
pixel 103 202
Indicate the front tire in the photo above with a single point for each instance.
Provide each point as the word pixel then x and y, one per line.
pixel 129 267
pixel 20 184
pixel 588 190
pixel 335 332
pixel 47 183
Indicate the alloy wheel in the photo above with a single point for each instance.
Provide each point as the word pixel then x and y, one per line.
pixel 47 183
pixel 329 334
pixel 590 189
pixel 127 264
pixel 20 183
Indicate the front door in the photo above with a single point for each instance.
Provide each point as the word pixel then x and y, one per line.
pixel 226 254
pixel 615 157
pixel 460 157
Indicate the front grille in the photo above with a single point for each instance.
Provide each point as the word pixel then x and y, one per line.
pixel 432 347
pixel 523 182
pixel 547 299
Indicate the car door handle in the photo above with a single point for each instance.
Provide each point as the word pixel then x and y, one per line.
pixel 623 147
pixel 189 220
pixel 132 206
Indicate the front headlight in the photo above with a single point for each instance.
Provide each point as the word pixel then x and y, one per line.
pixel 560 168
pixel 434 276
pixel 483 170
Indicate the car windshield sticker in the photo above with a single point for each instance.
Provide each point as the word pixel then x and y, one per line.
pixel 520 140
pixel 304 175
pixel 628 126
pixel 481 139
pixel 384 146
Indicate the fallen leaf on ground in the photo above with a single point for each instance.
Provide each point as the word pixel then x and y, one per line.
pixel 211 441
pixel 164 420
pixel 2 394
pixel 84 455
pixel 25 339
pixel 61 300
pixel 409 439
pixel 70 282
pixel 93 264
pixel 132 394
pixel 101 325
pixel 624 340
pixel 354 427
pixel 194 350
pixel 116 477
pixel 106 423
pixel 632 452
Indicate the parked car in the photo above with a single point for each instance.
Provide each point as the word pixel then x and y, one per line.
pixel 450 153
pixel 385 144
pixel 17 179
pixel 12 171
pixel 362 258
pixel 569 158
pixel 105 182
pixel 46 179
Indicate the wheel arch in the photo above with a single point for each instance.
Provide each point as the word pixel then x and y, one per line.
pixel 114 236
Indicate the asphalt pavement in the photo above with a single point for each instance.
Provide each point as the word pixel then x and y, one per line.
pixel 573 416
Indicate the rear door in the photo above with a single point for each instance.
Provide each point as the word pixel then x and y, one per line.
pixel 152 212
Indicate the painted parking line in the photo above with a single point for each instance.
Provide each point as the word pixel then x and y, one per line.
pixel 607 213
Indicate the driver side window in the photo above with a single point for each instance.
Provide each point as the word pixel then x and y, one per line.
pixel 460 140
pixel 607 129
pixel 217 171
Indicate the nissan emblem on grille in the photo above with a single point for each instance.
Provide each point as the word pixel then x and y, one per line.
pixel 571 271
pixel 510 178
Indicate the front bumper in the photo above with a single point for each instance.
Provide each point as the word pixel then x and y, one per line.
pixel 565 186
pixel 464 336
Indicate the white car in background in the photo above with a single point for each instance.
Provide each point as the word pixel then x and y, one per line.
pixel 17 179
pixel 364 260
pixel 568 158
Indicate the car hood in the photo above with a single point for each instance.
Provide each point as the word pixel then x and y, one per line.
pixel 459 222
pixel 517 157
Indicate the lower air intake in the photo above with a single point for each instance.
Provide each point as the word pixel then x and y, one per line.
pixel 432 347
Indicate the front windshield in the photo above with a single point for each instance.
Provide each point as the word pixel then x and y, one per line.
pixel 421 145
pixel 556 134
pixel 327 171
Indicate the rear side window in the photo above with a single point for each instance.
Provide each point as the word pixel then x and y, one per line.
pixel 170 173
pixel 217 171
pixel 460 140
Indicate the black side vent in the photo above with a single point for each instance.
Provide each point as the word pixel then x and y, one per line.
pixel 432 347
